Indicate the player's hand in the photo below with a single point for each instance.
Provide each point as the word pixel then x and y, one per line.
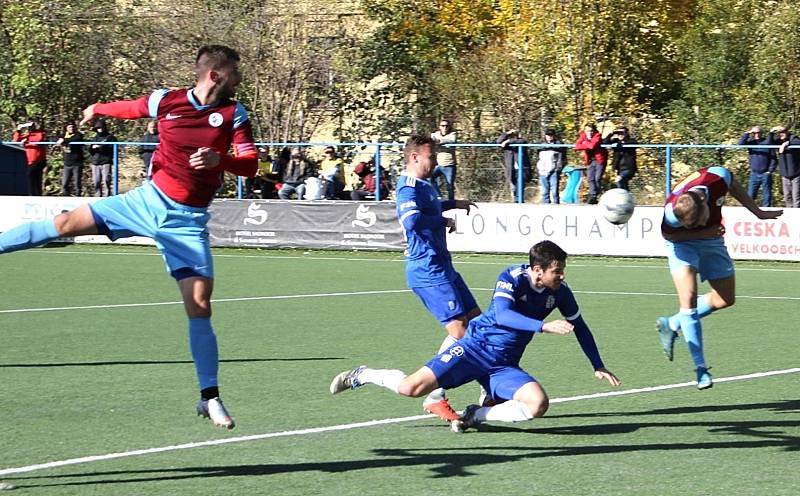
pixel 603 373
pixel 560 327
pixel 450 224
pixel 204 158
pixel 769 214
pixel 88 115
pixel 465 205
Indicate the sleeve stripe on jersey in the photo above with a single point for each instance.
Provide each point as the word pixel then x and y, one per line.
pixel 154 100
pixel 722 172
pixel 573 317
pixel 670 217
pixel 516 272
pixel 504 295
pixel 240 149
pixel 407 214
pixel 239 116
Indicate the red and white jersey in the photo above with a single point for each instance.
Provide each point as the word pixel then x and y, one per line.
pixel 713 181
pixel 184 125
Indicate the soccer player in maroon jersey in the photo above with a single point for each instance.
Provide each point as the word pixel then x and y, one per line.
pixel 198 127
pixel 693 230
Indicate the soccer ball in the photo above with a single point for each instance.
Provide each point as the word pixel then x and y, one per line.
pixel 617 205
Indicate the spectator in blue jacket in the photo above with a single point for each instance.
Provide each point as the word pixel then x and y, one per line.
pixel 762 165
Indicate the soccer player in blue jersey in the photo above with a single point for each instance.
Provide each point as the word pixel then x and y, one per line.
pixel 490 352
pixel 429 267
pixel 693 230
pixel 198 127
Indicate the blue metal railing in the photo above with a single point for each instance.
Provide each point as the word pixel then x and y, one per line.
pixel 381 146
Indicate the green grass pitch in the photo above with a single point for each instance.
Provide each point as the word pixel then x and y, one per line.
pixel 96 372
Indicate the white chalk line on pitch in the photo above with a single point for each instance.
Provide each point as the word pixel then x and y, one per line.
pixel 520 258
pixel 357 425
pixel 327 295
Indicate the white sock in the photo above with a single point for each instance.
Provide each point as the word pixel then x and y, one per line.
pixel 510 411
pixel 388 378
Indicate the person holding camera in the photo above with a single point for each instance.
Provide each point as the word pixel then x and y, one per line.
pixel 624 159
pixel 762 164
pixel 29 135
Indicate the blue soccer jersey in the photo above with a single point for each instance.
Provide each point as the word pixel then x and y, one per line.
pixel 517 311
pixel 419 211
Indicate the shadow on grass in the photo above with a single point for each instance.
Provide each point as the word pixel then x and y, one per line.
pixel 159 362
pixel 449 461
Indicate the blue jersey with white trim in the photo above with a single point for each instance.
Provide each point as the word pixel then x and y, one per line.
pixel 419 210
pixel 518 310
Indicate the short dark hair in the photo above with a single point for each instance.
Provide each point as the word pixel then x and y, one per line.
pixel 212 57
pixel 687 209
pixel 415 142
pixel 544 253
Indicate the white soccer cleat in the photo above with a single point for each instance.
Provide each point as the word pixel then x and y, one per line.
pixel 214 409
pixel 346 380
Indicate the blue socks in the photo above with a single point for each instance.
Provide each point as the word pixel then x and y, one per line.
pixel 28 235
pixel 693 334
pixel 703 309
pixel 203 343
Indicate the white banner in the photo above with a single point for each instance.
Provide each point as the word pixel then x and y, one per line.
pixel 582 230
pixel 514 228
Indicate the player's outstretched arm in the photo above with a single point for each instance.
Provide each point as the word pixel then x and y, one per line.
pixel 604 373
pixel 465 204
pixel 737 191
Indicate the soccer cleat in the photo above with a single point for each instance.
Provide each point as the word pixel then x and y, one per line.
pixel 667 336
pixel 346 380
pixel 214 409
pixel 466 420
pixel 704 378
pixel 441 408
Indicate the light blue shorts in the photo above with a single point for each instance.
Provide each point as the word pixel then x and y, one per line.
pixel 179 230
pixel 708 257
pixel 447 301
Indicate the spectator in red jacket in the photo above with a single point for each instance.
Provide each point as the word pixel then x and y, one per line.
pixel 366 171
pixel 28 134
pixel 594 158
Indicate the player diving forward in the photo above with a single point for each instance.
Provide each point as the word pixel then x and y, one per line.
pixel 429 267
pixel 490 352
pixel 693 230
pixel 197 128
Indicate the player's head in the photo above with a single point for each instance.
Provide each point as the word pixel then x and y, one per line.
pixel 220 65
pixel 419 155
pixel 547 262
pixel 691 209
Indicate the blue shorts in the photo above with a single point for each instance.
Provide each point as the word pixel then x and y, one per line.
pixel 469 360
pixel 447 301
pixel 708 257
pixel 179 230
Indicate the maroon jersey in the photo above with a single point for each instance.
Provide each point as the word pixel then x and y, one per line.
pixel 184 126
pixel 714 181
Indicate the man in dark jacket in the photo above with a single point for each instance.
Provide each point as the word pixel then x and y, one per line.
pixel 508 141
pixel 788 163
pixel 102 156
pixel 294 175
pixel 72 174
pixel 762 165
pixel 624 160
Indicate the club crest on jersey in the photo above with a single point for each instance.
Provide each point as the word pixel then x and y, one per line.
pixel 456 351
pixel 551 302
pixel 215 119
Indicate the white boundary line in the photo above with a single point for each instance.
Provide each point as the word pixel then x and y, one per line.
pixel 316 430
pixel 326 295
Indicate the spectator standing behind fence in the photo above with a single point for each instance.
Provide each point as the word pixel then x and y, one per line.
pixel 624 160
pixel 552 160
pixel 331 170
pixel 366 171
pixel 788 163
pixel 445 158
pixel 508 141
pixel 762 165
pixel 27 134
pixel 145 149
pixel 72 174
pixel 102 156
pixel 294 175
pixel 594 157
